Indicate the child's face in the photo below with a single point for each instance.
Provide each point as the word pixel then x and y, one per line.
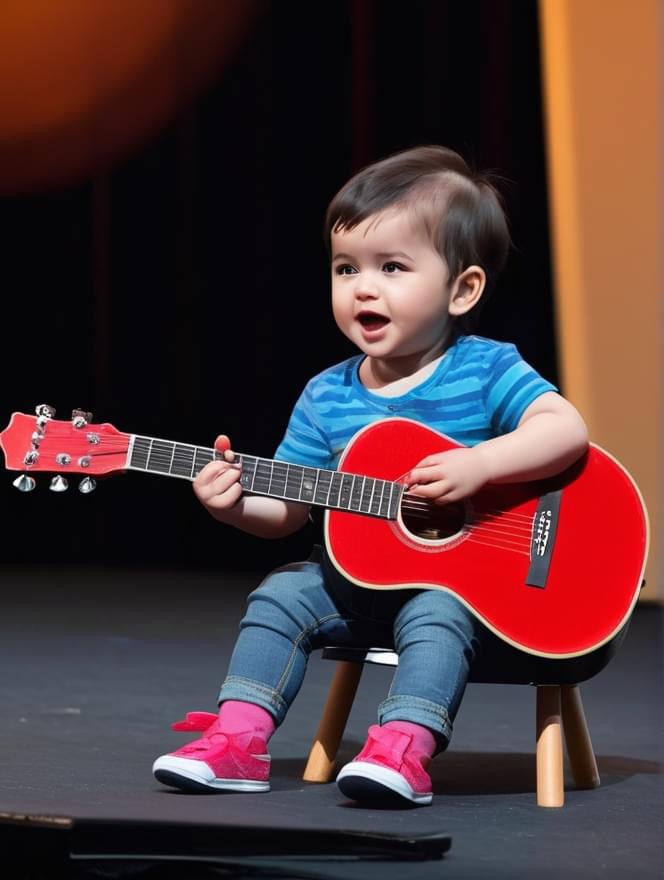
pixel 390 289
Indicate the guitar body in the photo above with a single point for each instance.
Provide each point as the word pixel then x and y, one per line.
pixel 596 544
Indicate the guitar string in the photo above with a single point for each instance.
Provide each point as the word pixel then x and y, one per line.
pixel 502 539
pixel 499 541
pixel 422 509
pixel 211 454
pixel 491 523
pixel 519 519
pixel 201 453
pixel 524 519
pixel 410 503
pixel 451 519
pixel 495 546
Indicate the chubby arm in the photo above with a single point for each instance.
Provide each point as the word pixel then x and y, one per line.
pixel 550 436
pixel 218 489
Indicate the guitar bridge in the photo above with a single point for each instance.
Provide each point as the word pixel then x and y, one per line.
pixel 543 538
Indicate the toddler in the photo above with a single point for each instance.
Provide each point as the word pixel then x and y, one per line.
pixel 416 242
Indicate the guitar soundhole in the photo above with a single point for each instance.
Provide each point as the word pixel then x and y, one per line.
pixel 432 522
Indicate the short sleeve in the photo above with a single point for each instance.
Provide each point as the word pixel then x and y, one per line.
pixel 512 385
pixel 304 442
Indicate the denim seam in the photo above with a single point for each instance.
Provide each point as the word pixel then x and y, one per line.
pixel 317 623
pixel 437 712
pixel 273 697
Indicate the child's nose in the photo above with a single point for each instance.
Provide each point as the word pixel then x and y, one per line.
pixel 366 287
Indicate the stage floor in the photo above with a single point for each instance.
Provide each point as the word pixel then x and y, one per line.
pixel 98 662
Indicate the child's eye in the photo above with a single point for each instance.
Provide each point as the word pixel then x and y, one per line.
pixel 391 268
pixel 345 269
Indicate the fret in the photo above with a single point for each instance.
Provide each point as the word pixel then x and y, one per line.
pixel 293 482
pixel 356 492
pixel 308 490
pixel 384 506
pixel 202 457
pixel 140 452
pixel 248 472
pixel 335 488
pixel 367 493
pixel 182 460
pixel 376 495
pixel 262 477
pixel 278 481
pixel 395 500
pixel 323 488
pixel 345 491
pixel 159 459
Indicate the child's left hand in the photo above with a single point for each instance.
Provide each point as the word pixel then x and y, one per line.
pixel 449 476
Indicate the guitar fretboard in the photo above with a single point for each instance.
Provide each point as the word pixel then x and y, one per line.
pixel 276 479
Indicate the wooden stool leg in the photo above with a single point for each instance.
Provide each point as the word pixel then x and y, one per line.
pixel 550 780
pixel 320 765
pixel 579 747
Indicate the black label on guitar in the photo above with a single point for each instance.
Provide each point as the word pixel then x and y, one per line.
pixel 543 538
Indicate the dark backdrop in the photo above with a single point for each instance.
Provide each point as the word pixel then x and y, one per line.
pixel 185 291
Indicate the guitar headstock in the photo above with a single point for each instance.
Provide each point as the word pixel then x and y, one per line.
pixel 43 444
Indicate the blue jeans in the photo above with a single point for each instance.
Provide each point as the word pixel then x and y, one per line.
pixel 307 605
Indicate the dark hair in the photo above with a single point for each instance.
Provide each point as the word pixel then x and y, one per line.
pixel 459 208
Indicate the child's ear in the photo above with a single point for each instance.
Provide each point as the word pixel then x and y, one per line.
pixel 466 290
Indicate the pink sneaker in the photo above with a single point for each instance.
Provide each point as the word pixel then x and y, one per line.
pixel 387 770
pixel 217 761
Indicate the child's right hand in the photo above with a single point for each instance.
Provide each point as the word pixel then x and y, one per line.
pixel 217 486
pixel 219 490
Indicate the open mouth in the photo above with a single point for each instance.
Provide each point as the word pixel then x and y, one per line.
pixel 372 320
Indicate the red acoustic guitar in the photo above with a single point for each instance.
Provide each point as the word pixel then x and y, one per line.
pixel 553 567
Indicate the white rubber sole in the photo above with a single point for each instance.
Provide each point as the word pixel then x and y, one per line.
pixel 191 775
pixel 361 781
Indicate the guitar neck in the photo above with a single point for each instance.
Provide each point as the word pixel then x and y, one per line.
pixel 275 479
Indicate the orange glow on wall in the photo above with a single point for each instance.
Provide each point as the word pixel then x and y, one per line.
pixel 602 65
pixel 82 82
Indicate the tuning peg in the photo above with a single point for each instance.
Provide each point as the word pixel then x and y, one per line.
pixel 45 410
pixel 87 485
pixel 80 418
pixel 58 484
pixel 24 483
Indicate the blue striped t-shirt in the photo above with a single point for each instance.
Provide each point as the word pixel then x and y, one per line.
pixel 480 389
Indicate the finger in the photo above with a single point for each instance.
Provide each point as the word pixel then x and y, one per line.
pixel 430 490
pixel 226 488
pixel 211 471
pixel 223 444
pixel 212 490
pixel 225 478
pixel 446 497
pixel 208 473
pixel 231 496
pixel 423 474
pixel 428 461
